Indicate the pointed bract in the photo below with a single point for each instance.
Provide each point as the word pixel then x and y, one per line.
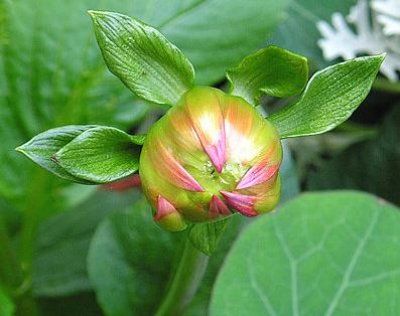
pixel 217 207
pixel 244 204
pixel 257 174
pixel 167 215
pixel 178 173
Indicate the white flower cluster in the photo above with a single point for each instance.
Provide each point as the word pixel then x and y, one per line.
pixel 376 30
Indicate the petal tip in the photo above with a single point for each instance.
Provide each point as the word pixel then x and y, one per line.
pixel 244 204
pixel 164 208
pixel 257 174
pixel 217 207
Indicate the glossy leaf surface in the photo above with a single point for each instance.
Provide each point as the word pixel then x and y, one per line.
pixel 99 155
pixel 145 61
pixel 272 70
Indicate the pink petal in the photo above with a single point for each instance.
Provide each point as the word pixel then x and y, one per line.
pixel 179 175
pixel 244 204
pixel 217 207
pixel 257 174
pixel 210 129
pixel 164 208
pixel 217 152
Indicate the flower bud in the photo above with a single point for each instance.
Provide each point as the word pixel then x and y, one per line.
pixel 210 155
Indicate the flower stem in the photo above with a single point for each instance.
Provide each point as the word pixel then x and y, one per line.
pixel 185 282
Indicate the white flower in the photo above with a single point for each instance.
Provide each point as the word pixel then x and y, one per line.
pixel 388 15
pixel 339 40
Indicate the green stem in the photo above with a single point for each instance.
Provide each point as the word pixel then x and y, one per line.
pixel 185 282
pixel 386 85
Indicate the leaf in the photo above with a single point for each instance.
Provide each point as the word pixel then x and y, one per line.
pixel 41 148
pixel 272 70
pixel 371 166
pixel 145 61
pixel 299 31
pixel 99 155
pixel 206 236
pixel 138 139
pixel 129 262
pixel 59 267
pixel 7 307
pixel 329 99
pixel 321 254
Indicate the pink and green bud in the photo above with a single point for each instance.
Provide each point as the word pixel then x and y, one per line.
pixel 211 155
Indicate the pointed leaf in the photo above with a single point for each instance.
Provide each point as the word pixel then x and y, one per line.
pixel 142 58
pixel 272 70
pixel 43 146
pixel 100 155
pixel 329 99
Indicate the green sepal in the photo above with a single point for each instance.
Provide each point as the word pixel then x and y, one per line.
pixel 41 148
pixel 206 236
pixel 329 99
pixel 271 70
pixel 146 62
pixel 87 154
pixel 100 155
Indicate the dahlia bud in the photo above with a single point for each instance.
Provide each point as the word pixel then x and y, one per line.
pixel 210 155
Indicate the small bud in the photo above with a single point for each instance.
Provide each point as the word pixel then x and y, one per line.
pixel 210 155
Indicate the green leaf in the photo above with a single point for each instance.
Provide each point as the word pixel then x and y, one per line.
pixel 330 97
pixel 138 139
pixel 145 61
pixel 372 166
pixel 129 262
pixel 272 70
pixel 41 148
pixel 299 31
pixel 7 307
pixel 321 254
pixel 99 155
pixel 59 267
pixel 206 236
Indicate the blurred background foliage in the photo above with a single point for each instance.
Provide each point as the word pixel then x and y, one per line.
pixel 70 245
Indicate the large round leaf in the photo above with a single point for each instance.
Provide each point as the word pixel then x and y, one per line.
pixel 331 253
